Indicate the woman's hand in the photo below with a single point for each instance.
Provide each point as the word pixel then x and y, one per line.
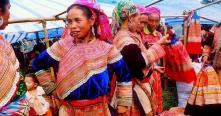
pixel 160 69
pixel 164 40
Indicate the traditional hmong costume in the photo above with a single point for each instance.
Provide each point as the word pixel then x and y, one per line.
pixel 83 75
pixel 149 38
pixel 205 98
pixel 10 103
pixel 138 59
pixel 206 94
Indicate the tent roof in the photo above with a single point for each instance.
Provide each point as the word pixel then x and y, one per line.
pixel 46 8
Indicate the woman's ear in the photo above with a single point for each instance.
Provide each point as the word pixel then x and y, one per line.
pixel 92 20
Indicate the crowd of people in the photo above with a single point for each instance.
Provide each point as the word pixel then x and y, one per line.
pixel 112 70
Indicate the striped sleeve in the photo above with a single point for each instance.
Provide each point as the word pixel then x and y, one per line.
pixel 124 84
pixel 154 53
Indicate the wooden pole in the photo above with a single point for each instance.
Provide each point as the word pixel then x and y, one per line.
pixel 212 3
pixel 209 19
pixel 44 23
pixel 45 33
pixel 60 14
pixel 174 16
pixel 153 3
pixel 185 28
pixel 36 20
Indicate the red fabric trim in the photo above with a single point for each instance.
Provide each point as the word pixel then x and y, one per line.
pixel 193 48
pixel 79 103
pixel 113 85
pixel 157 97
pixel 186 76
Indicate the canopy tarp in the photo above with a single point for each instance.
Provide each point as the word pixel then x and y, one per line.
pixel 21 9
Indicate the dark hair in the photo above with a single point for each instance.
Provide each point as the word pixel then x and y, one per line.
pixel 88 13
pixel 3 5
pixel 125 18
pixel 34 78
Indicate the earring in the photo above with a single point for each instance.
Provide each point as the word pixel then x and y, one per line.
pixel 1 21
pixel 93 31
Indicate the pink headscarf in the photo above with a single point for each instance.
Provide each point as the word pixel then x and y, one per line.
pixel 104 29
pixel 141 8
pixel 153 10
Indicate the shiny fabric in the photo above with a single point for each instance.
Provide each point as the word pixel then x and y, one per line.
pixel 18 107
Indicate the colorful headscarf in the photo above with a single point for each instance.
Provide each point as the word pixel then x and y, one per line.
pixel 141 8
pixel 104 29
pixel 123 10
pixel 153 10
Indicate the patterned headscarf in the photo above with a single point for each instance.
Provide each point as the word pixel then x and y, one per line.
pixel 153 10
pixel 123 10
pixel 141 8
pixel 104 29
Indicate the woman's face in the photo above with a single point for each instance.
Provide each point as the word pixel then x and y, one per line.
pixel 153 22
pixel 79 24
pixel 5 16
pixel 143 21
pixel 134 25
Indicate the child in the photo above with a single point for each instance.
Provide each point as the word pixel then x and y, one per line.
pixel 38 104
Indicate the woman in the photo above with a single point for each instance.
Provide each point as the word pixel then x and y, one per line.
pixel 83 56
pixel 150 33
pixel 148 38
pixel 10 102
pixel 205 96
pixel 138 59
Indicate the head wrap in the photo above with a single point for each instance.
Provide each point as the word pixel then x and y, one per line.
pixel 123 10
pixel 141 8
pixel 104 29
pixel 153 10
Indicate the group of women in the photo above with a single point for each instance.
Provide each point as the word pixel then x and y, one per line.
pixel 103 69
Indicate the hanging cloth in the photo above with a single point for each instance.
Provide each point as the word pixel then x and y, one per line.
pixel 194 35
pixel 177 61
